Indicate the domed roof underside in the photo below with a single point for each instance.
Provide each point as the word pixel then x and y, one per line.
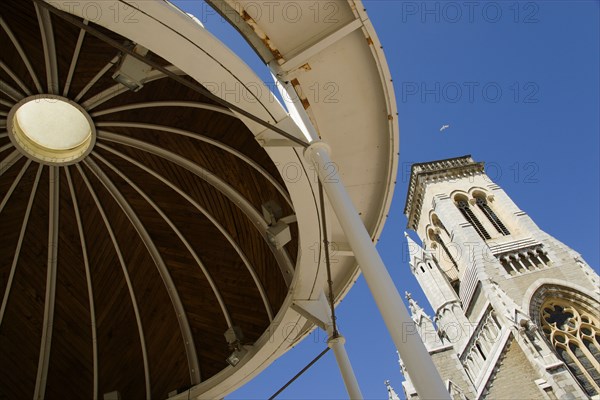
pixel 108 266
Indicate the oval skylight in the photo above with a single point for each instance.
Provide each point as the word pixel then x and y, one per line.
pixel 53 124
pixel 51 129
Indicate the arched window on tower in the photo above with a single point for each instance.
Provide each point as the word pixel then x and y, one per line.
pixel 575 335
pixel 438 223
pixel 450 267
pixel 490 214
pixel 463 205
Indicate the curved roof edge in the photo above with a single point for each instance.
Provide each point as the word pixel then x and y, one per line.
pixel 294 51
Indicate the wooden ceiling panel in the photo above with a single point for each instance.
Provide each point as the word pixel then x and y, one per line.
pixel 7 78
pixel 210 347
pixel 212 323
pixel 9 52
pixel 72 343
pixel 65 38
pixel 229 168
pixel 224 128
pixel 267 269
pixel 3 141
pixel 220 259
pixel 200 191
pixel 164 341
pixel 11 216
pixel 162 89
pixel 4 108
pixel 21 18
pixel 3 154
pixel 94 56
pixel 232 218
pixel 120 360
pixel 21 329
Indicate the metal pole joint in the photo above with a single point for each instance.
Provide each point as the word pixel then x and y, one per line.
pixel 333 340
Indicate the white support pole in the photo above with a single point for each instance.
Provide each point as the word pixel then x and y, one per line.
pixel 318 312
pixel 337 345
pixel 419 365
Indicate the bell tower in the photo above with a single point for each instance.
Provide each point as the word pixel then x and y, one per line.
pixel 515 309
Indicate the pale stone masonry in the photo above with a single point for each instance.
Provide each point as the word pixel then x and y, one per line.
pixel 516 311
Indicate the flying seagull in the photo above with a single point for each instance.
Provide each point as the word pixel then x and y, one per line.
pixel 444 127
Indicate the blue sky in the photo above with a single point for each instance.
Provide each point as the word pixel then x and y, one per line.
pixel 518 83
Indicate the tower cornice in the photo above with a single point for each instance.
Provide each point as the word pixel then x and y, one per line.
pixel 422 173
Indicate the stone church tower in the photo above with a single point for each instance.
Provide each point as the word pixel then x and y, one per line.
pixel 516 311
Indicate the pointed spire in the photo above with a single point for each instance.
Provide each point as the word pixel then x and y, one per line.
pixel 401 363
pixel 424 324
pixel 392 395
pixel 411 243
pixel 414 251
pixel 414 307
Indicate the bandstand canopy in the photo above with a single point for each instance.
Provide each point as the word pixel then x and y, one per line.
pixel 140 216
